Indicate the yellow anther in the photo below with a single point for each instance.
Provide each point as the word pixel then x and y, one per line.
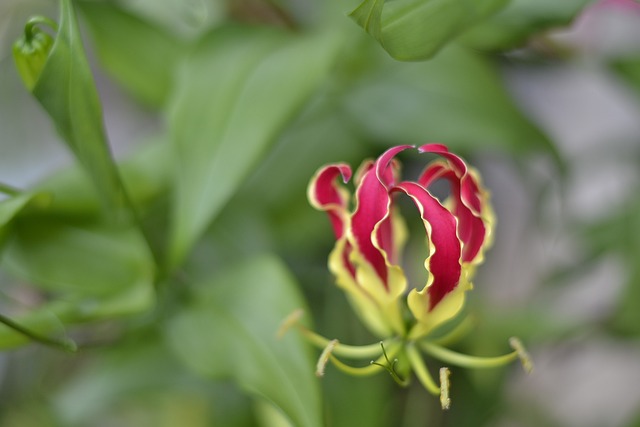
pixel 324 357
pixel 289 322
pixel 445 401
pixel 525 359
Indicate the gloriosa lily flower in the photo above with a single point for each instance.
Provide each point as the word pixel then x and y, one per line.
pixel 369 240
pixel 366 260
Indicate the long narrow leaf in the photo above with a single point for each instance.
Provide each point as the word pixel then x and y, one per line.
pixel 66 90
pixel 238 90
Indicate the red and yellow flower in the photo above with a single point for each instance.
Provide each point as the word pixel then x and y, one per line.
pixel 369 239
pixel 366 261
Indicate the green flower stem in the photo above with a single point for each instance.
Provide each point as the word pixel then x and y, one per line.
pixel 65 344
pixel 466 361
pixel 344 350
pixel 415 359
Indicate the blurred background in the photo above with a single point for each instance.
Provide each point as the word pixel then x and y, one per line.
pixel 543 99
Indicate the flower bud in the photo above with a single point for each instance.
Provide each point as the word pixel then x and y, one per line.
pixel 30 52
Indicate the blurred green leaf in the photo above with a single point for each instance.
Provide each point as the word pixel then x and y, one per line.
pixel 140 56
pixel 81 260
pixel 519 20
pixel 146 174
pixel 618 234
pixel 136 372
pixel 237 91
pixel 94 271
pixel 629 69
pixel 14 205
pixel 11 206
pixel 229 331
pixel 47 320
pixel 66 90
pixel 411 30
pixel 457 98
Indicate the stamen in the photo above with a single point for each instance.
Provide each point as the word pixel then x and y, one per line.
pixel 363 371
pixel 324 357
pixel 522 353
pixel 421 370
pixel 344 350
pixel 445 401
pixel 464 360
pixel 289 322
pixel 391 368
pixel 373 368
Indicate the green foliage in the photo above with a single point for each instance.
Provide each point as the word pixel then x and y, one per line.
pixel 629 69
pixel 514 24
pixel 411 30
pixel 413 103
pixel 239 85
pixel 66 90
pixel 141 56
pixel 225 333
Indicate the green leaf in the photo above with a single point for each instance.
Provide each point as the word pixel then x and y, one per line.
pixel 66 90
pixel 457 98
pixel 229 332
pixel 47 321
pixel 78 260
pixel 414 30
pixel 134 369
pixel 618 234
pixel 140 56
pixel 519 20
pixel 95 272
pixel 237 91
pixel 11 207
pixel 146 173
pixel 629 69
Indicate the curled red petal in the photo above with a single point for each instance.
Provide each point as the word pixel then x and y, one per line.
pixel 440 224
pixel 324 194
pixel 466 196
pixel 370 223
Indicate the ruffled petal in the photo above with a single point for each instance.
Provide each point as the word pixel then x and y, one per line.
pixel 443 262
pixel 470 201
pixel 371 224
pixel 325 194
